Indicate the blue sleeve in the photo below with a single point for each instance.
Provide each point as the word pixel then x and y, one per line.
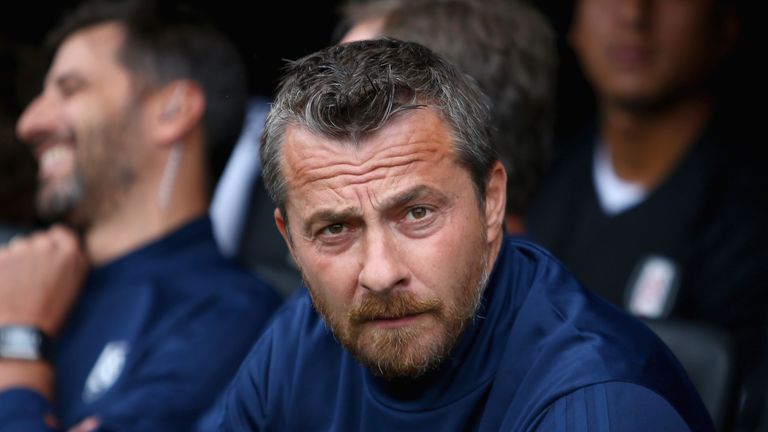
pixel 612 407
pixel 172 377
pixel 182 372
pixel 23 410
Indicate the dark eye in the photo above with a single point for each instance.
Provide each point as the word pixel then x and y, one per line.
pixel 333 229
pixel 417 213
pixel 70 86
pixel 335 236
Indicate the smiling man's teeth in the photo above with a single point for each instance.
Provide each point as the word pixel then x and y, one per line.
pixel 56 160
pixel 55 154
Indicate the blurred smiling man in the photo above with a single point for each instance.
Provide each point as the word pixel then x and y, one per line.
pixel 83 139
pixel 130 290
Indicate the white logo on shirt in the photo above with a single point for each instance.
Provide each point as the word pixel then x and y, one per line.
pixel 653 289
pixel 106 370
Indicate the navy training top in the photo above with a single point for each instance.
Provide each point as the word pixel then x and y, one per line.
pixel 542 354
pixel 155 336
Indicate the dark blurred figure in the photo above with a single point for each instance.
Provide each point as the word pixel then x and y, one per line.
pixel 509 48
pixel 659 208
pixel 149 322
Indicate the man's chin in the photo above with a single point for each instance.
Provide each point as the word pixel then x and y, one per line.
pixel 647 101
pixel 389 368
pixel 56 207
pixel 401 352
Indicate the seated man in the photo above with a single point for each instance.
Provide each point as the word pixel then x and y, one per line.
pixel 391 200
pixel 134 105
pixel 660 206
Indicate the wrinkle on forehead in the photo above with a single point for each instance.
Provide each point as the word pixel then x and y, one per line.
pixel 347 174
pixel 418 138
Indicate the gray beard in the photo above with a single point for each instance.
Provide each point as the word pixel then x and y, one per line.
pixel 60 203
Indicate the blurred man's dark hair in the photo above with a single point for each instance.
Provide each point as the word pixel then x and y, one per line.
pixel 168 41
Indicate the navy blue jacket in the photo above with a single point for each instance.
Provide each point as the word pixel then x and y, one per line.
pixel 542 354
pixel 156 335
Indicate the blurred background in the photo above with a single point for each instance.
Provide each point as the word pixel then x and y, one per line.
pixel 290 29
pixel 286 30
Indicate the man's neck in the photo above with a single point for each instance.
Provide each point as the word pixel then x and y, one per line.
pixel 128 231
pixel 645 146
pixel 141 218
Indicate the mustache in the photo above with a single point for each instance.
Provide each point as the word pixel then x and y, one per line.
pixel 392 306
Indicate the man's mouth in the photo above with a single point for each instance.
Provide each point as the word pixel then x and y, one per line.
pixel 396 311
pixel 629 56
pixel 55 160
pixel 384 321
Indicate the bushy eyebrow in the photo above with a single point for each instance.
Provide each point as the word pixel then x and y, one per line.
pixel 394 203
pixel 330 215
pixel 414 194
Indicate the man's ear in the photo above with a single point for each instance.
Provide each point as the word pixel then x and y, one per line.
pixel 495 201
pixel 177 110
pixel 282 226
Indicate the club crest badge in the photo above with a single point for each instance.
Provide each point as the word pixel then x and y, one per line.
pixel 105 372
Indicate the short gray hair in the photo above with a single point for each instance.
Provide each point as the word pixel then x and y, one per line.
pixel 347 92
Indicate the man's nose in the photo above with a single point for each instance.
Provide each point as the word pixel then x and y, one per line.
pixel 383 267
pixel 39 120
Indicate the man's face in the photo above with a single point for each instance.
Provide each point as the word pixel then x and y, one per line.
pixel 79 127
pixel 391 240
pixel 645 52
